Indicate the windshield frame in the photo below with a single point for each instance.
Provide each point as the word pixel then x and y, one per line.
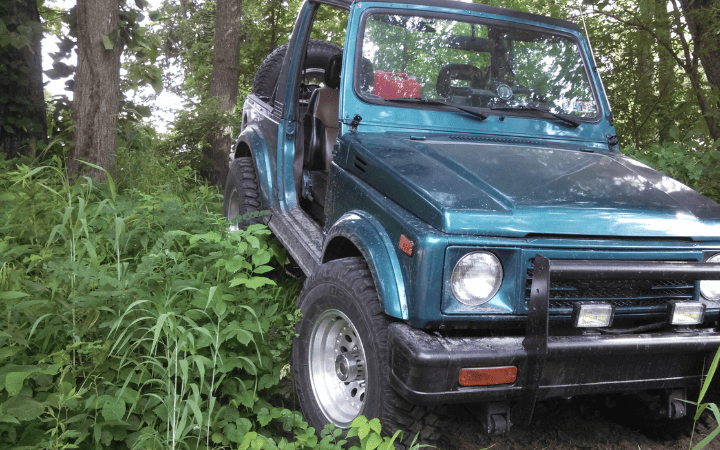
pixel 473 19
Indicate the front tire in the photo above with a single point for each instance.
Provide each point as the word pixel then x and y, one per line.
pixel 340 358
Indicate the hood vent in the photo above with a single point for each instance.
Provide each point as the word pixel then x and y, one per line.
pixel 503 140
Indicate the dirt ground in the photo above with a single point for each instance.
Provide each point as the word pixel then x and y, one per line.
pixel 620 422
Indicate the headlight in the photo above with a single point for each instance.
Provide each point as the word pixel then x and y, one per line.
pixel 710 289
pixel 476 278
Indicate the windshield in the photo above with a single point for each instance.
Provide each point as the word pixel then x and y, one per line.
pixel 471 64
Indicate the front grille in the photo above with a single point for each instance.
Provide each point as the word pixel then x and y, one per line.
pixel 652 294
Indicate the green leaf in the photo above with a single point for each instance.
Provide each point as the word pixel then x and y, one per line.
pixel 261 258
pixel 708 379
pixel 375 425
pixel 373 441
pixel 714 433
pixel 114 410
pixel 6 352
pixel 363 430
pixel 264 417
pixel 236 264
pixel 14 382
pixel 244 337
pixel 246 398
pixel 23 408
pixel 241 279
pixel 9 295
pixel 198 415
pixel 107 43
pixel 256 282
pixel 8 419
pixel 254 242
pixel 262 269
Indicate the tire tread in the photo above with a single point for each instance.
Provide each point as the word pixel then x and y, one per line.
pixel 243 178
pixel 397 413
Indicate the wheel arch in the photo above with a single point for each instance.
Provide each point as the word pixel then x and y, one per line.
pixel 359 234
pixel 252 143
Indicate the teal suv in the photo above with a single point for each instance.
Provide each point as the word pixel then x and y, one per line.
pixel 449 180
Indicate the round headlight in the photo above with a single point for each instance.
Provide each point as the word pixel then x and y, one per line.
pixel 710 289
pixel 476 278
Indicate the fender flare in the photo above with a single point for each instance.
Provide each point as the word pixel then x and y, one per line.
pixel 252 138
pixel 369 236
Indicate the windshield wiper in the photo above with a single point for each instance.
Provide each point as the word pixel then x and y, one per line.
pixel 564 119
pixel 427 101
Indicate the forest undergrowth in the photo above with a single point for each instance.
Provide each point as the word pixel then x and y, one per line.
pixel 134 319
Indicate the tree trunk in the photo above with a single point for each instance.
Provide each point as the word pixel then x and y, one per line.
pixel 97 88
pixel 667 79
pixel 23 125
pixel 703 20
pixel 224 85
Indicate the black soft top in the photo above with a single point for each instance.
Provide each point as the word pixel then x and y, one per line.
pixel 345 4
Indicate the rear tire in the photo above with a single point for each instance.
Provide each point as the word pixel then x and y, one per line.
pixel 242 194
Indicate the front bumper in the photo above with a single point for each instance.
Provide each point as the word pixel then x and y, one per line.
pixel 425 368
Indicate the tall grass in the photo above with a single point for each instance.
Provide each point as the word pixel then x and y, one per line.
pixel 134 320
pixel 702 407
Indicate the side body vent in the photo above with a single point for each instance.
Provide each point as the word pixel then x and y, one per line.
pixel 360 164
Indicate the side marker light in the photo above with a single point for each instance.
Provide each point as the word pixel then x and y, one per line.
pixel 406 245
pixel 488 376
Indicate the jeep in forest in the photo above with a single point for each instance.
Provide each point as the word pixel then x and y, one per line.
pixel 450 182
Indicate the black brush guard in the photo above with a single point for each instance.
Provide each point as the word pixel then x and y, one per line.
pixel 425 367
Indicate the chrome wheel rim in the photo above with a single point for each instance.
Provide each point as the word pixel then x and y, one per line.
pixel 233 209
pixel 337 368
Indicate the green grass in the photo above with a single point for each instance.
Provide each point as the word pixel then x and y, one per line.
pixel 702 407
pixel 134 320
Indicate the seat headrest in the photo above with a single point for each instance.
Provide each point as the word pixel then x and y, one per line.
pixel 332 71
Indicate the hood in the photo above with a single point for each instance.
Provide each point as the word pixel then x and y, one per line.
pixel 466 185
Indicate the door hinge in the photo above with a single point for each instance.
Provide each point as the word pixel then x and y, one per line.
pixel 612 141
pixel 355 122
pixel 290 131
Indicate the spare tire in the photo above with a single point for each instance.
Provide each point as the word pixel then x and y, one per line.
pixel 318 54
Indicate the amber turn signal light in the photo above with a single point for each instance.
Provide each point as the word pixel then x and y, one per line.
pixel 488 376
pixel 406 245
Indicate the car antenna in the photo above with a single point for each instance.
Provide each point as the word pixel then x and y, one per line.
pixel 592 54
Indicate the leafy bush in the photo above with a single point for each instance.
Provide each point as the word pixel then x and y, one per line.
pixel 691 159
pixel 135 320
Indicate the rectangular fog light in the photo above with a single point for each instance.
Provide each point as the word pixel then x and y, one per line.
pixel 488 376
pixel 685 313
pixel 592 315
